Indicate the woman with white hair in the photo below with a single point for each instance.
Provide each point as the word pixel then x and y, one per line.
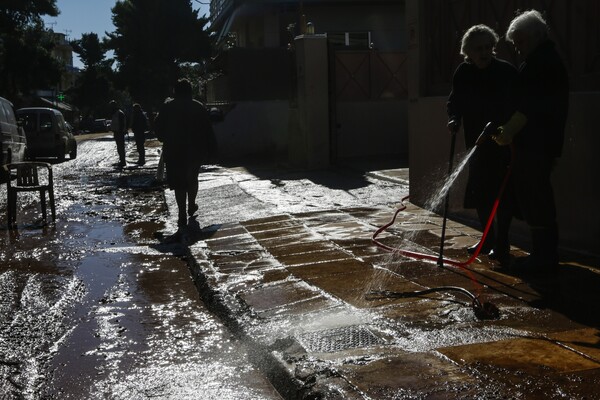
pixel 483 90
pixel 537 131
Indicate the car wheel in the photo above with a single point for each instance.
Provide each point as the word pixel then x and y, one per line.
pixel 61 153
pixel 73 153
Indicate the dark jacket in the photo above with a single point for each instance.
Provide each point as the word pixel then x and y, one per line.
pixel 480 96
pixel 184 127
pixel 544 99
pixel 139 122
pixel 119 122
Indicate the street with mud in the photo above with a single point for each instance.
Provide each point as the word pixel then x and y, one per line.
pixel 274 289
pixel 98 306
pixel 101 304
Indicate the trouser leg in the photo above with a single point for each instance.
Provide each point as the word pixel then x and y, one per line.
pixel 192 186
pixel 120 141
pixel 140 145
pixel 503 220
pixel 483 214
pixel 504 216
pixel 536 200
pixel 180 198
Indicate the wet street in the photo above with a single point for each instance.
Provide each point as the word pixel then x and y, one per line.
pixel 101 305
pixel 276 282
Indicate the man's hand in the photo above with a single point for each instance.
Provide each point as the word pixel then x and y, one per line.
pixel 509 130
pixel 502 137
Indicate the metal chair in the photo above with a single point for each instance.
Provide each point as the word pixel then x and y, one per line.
pixel 30 177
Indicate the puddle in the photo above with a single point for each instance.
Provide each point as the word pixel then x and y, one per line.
pixel 96 306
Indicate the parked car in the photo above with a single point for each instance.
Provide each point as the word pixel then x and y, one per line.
pixel 101 125
pixel 47 133
pixel 14 143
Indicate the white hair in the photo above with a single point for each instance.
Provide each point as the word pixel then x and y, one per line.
pixel 530 22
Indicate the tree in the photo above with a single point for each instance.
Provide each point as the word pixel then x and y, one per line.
pixel 153 38
pixel 26 61
pixel 94 88
pixel 91 50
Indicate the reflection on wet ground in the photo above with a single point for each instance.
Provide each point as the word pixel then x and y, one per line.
pixel 296 285
pixel 97 307
pixel 103 306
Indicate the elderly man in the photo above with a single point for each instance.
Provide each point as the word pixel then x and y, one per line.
pixel 537 131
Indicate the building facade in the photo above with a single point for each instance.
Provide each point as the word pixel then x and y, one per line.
pixel 255 74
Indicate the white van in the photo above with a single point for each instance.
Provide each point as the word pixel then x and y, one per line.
pixel 47 133
pixel 13 138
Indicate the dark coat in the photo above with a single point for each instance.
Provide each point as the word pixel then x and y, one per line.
pixel 139 122
pixel 184 127
pixel 480 96
pixel 544 99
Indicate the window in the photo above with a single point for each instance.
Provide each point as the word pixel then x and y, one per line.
pixel 358 40
pixel 45 122
pixel 29 121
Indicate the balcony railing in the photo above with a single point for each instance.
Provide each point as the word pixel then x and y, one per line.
pixel 218 7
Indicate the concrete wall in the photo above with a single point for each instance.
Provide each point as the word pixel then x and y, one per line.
pixel 372 128
pixel 308 145
pixel 575 177
pixel 254 128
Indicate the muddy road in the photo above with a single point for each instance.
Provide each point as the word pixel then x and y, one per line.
pixel 101 305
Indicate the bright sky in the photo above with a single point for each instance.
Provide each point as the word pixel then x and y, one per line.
pixel 84 16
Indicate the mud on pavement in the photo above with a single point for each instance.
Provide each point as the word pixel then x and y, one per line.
pixel 96 306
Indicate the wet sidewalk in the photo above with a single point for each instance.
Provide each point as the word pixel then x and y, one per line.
pixel 299 289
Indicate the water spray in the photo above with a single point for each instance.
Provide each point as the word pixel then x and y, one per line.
pixel 488 131
pixel 454 129
pixel 482 310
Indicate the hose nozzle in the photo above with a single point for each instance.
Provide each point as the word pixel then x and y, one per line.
pixel 487 132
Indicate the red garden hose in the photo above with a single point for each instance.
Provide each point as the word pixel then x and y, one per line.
pixel 483 310
pixel 431 257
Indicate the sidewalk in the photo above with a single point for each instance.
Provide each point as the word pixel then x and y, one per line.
pixel 295 288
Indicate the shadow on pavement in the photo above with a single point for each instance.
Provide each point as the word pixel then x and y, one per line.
pixel 572 292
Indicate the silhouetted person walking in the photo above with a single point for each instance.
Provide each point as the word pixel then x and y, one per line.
pixel 118 126
pixel 184 127
pixel 139 126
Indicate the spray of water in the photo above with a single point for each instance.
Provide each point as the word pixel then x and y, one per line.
pixel 408 236
pixel 441 189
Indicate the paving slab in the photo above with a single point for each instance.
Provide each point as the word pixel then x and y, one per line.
pixel 301 289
